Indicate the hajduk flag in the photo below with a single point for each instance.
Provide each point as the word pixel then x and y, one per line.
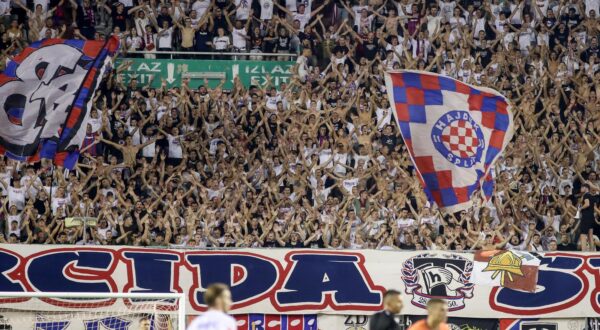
pixel 517 270
pixel 453 132
pixel 46 95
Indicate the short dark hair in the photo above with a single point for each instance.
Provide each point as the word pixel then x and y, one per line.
pixel 390 293
pixel 435 301
pixel 213 292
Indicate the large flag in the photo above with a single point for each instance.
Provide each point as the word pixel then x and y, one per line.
pixel 453 131
pixel 46 96
pixel 517 270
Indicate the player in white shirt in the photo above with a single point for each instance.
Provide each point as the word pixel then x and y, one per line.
pixel 218 299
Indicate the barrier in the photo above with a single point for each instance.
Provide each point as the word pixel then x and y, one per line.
pixel 282 281
pixel 172 71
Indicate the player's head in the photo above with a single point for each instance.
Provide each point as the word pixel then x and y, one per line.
pixel 437 309
pixel 144 323
pixel 218 296
pixel 392 302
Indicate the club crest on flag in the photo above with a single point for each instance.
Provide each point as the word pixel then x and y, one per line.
pixel 454 132
pixel 458 138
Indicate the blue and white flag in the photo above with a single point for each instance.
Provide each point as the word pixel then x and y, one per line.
pixel 453 131
pixel 45 98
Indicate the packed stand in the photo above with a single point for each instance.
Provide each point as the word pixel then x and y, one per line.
pixel 317 162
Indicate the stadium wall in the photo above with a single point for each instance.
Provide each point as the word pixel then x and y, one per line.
pixel 282 281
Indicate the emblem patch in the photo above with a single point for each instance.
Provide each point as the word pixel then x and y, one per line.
pixel 458 138
pixel 447 277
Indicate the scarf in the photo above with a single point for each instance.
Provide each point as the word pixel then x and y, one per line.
pixel 88 16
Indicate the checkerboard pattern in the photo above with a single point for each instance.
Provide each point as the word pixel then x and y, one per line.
pixel 412 93
pixel 460 138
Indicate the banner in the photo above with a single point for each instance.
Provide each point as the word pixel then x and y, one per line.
pixel 46 94
pixel 304 281
pixel 459 322
pixel 543 324
pixel 172 71
pixel 346 322
pixel 516 270
pixel 361 322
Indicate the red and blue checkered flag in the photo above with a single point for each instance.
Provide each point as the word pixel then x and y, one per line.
pixel 45 98
pixel 453 131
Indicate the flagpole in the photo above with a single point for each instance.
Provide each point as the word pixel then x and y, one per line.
pixel 51 185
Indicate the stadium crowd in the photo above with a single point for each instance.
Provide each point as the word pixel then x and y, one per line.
pixel 316 162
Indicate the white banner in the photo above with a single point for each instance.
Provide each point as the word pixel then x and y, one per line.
pixel 544 324
pixel 283 281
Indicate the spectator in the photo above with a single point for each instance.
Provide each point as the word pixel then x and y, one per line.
pixel 318 161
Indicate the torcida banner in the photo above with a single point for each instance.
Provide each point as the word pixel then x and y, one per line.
pixel 304 281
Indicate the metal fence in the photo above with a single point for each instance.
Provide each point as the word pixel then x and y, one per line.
pixel 211 55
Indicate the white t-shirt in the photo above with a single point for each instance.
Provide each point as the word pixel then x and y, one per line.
pixel 303 18
pixel 200 6
pixel 398 49
pixel 12 218
pixel 16 196
pixel 291 5
pixel 221 43
pixel 164 39
pixel 5 176
pixel 4 8
pixel 175 150
pixel 266 9
pixel 340 158
pixel 592 5
pixel 272 102
pixel 384 117
pixel 140 25
pixel 213 320
pixel 457 22
pixel 508 38
pixel 405 223
pixel 58 202
pixel 516 18
pixel 239 38
pixel 357 10
pixel 243 9
pixel 149 150
pixel 324 158
pixel 127 3
pixel 447 8
pixel 349 184
pixel 433 24
pixel 44 4
pixel 302 62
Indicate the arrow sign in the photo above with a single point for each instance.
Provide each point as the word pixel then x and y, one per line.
pixel 235 71
pixel 170 73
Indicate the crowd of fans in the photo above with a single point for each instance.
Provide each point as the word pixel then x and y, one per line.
pixel 316 162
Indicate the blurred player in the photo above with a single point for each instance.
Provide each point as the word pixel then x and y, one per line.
pixel 164 323
pixel 218 299
pixel 437 314
pixel 384 320
pixel 144 323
